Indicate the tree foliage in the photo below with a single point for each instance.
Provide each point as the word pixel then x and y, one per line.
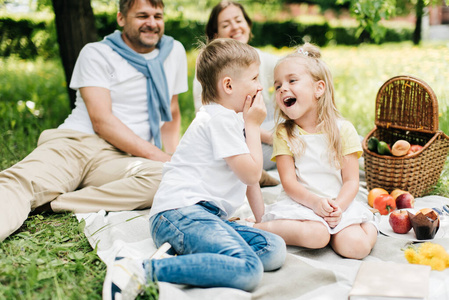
pixel 370 12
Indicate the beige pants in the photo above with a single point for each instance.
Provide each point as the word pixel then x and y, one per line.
pixel 75 172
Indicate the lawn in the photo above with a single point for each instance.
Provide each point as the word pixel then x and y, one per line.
pixel 50 258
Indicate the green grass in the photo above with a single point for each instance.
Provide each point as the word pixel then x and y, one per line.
pixel 32 98
pixel 50 258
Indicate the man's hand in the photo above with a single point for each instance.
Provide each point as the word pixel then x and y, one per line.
pixel 113 130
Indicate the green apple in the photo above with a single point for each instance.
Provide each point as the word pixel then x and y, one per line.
pixel 383 148
pixel 372 144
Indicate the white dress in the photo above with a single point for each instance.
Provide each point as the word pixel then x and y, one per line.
pixel 314 172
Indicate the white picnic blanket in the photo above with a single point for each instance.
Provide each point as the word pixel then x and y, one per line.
pixel 306 274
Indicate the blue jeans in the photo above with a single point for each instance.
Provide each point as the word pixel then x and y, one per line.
pixel 212 252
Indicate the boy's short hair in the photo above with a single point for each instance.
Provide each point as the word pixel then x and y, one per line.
pixel 125 5
pixel 220 56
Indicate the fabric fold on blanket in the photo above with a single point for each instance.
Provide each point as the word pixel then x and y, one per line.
pixel 306 274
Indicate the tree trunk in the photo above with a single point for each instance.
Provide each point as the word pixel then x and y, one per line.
pixel 418 26
pixel 75 27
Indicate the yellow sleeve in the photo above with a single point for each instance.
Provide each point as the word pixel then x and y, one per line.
pixel 350 139
pixel 280 146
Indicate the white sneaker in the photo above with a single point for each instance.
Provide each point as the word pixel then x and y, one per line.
pixel 161 252
pixel 126 278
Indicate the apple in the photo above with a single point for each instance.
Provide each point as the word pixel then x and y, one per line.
pixel 413 149
pixel 383 148
pixel 400 221
pixel 405 200
pixel 396 192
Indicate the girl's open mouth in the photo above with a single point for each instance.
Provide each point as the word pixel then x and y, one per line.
pixel 289 101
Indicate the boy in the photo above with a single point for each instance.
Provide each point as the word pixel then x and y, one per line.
pixel 218 159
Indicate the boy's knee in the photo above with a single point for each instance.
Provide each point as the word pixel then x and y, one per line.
pixel 248 282
pixel 277 251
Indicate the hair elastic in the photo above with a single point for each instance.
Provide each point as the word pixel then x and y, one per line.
pixel 301 51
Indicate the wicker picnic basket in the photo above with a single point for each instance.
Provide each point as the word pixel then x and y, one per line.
pixel 406 109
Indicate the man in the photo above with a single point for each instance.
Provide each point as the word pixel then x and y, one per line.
pixel 107 154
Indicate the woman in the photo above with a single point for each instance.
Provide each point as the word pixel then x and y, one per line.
pixel 229 20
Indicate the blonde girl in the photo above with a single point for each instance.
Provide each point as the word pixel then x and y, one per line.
pixel 316 152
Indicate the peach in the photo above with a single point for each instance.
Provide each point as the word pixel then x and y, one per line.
pixel 400 148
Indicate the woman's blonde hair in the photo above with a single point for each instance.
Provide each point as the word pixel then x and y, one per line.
pixel 220 56
pixel 328 114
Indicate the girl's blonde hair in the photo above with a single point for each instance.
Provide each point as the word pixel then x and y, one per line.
pixel 328 114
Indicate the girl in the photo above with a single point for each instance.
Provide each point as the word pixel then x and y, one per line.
pixel 316 153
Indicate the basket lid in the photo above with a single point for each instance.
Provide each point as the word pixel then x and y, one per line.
pixel 407 103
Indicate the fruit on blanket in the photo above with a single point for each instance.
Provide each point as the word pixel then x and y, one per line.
pixel 384 204
pixel 400 221
pixel 396 192
pixel 413 149
pixel 372 144
pixel 405 200
pixel 400 148
pixel 373 195
pixel 383 148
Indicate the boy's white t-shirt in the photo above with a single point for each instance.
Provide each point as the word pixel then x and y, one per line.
pixel 197 171
pixel 100 66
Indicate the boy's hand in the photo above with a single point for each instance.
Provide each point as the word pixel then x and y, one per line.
pixel 254 110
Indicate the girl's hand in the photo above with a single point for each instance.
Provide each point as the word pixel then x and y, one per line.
pixel 335 216
pixel 322 207
pixel 251 219
pixel 254 110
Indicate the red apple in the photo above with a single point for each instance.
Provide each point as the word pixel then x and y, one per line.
pixel 400 221
pixel 405 200
pixel 413 149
